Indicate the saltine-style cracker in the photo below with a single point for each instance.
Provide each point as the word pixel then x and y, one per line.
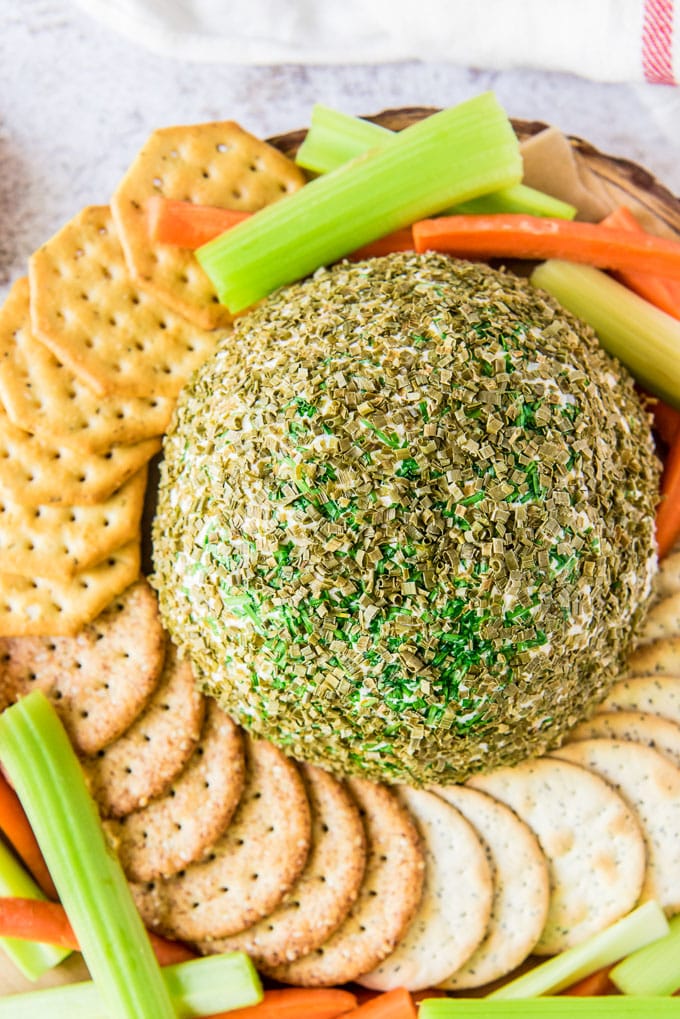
pixel 50 607
pixel 141 763
pixel 656 695
pixel 650 784
pixel 210 164
pixel 249 869
pixel 61 541
pixel 115 337
pixel 328 886
pixel 658 733
pixel 667 579
pixel 521 888
pixel 387 902
pixel 660 658
pixel 590 837
pixel 43 396
pixel 180 826
pixel 98 680
pixel 662 620
pixel 455 906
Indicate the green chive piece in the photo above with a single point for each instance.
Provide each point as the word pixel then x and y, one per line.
pixel 334 138
pixel 217 983
pixel 49 781
pixel 645 339
pixel 452 156
pixel 606 1007
pixel 644 925
pixel 654 969
pixel 30 957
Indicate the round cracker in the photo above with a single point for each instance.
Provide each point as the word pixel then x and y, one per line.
pixel 661 621
pixel 142 762
pixel 455 906
pixel 591 840
pixel 387 901
pixel 658 733
pixel 170 833
pixel 319 902
pixel 656 695
pixel 99 680
pixel 651 785
pixel 521 888
pixel 660 658
pixel 667 579
pixel 249 868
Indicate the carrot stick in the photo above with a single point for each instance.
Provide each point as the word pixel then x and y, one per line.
pixel 664 293
pixel 297 1003
pixel 399 240
pixel 668 512
pixel 46 922
pixel 186 224
pixel 14 824
pixel 666 421
pixel 593 985
pixel 397 1004
pixel 518 236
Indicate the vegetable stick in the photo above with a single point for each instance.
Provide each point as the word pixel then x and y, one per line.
pixel 608 1007
pixel 187 224
pixel 666 421
pixel 664 293
pixel 399 240
pixel 14 825
pixel 532 237
pixel 597 983
pixel 47 776
pixel 668 512
pixel 297 1003
pixel 654 969
pixel 396 1004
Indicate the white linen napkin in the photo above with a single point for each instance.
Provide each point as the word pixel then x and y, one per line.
pixel 605 40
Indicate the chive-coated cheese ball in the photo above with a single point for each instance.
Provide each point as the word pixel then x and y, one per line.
pixel 405 520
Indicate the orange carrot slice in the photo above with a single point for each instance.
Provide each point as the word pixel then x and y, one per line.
pixel 296 1003
pixel 186 224
pixel 668 512
pixel 396 1004
pixel 591 986
pixel 664 293
pixel 14 825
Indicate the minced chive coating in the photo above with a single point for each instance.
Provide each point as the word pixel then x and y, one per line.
pixel 405 521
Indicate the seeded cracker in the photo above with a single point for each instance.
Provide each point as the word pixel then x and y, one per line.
pixel 667 580
pixel 387 902
pixel 170 832
pixel 319 902
pixel 650 784
pixel 115 337
pixel 590 837
pixel 521 888
pixel 662 620
pixel 142 762
pixel 455 905
pixel 210 164
pixel 61 541
pixel 658 695
pixel 42 395
pixel 101 678
pixel 661 658
pixel 249 869
pixel 661 734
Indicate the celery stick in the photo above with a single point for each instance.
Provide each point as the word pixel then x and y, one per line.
pixel 644 925
pixel 654 969
pixel 30 957
pixel 641 336
pixel 334 138
pixel 449 157
pixel 37 754
pixel 612 1006
pixel 218 983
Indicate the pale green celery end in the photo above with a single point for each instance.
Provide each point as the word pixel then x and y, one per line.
pixel 334 138
pixel 644 338
pixel 518 199
pixel 451 156
pixel 49 781
pixel 30 957
pixel 199 987
pixel 645 924
pixel 607 1007
pixel 654 969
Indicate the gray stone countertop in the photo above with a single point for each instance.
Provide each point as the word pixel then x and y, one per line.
pixel 77 101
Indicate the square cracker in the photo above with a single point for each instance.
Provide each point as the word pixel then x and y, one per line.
pixel 49 607
pixel 114 336
pixel 33 471
pixel 210 164
pixel 60 541
pixel 42 395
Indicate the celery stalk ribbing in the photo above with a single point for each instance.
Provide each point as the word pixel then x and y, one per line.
pixel 37 754
pixel 451 156
pixel 611 1007
pixel 654 969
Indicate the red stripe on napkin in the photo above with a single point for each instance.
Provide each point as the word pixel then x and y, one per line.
pixel 657 42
